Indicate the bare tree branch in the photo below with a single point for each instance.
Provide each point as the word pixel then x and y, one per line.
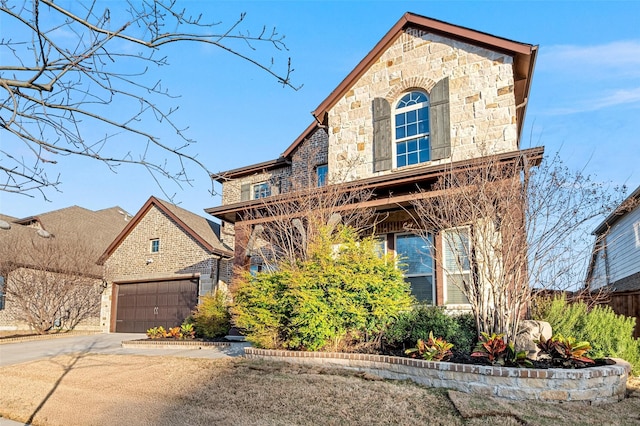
pixel 525 227
pixel 76 82
pixel 50 282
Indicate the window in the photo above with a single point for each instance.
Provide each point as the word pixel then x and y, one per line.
pixel 321 174
pixel 636 229
pixel 255 269
pixel 417 255
pixel 380 245
pixel 412 129
pixel 2 293
pixel 261 190
pixel 457 264
pixel 155 245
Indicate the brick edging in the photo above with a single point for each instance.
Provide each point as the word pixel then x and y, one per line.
pixel 46 336
pixel 172 344
pixel 593 385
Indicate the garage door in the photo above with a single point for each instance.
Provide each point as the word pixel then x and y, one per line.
pixel 141 306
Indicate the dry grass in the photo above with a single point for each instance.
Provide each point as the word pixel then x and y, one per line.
pixel 125 390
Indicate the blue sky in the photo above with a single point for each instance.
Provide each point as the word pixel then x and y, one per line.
pixel 585 97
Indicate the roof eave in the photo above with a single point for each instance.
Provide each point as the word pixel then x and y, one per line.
pixel 616 214
pixel 153 201
pixel 229 212
pixel 304 135
pixel 253 168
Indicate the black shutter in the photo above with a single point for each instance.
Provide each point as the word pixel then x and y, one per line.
pixel 382 150
pixel 245 192
pixel 440 125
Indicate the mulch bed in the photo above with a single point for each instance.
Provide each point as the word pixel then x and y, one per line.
pixel 464 358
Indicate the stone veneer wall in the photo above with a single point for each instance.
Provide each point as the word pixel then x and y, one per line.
pixel 179 254
pixel 594 385
pixel 482 101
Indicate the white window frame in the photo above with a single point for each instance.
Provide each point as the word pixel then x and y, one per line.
pixel 433 263
pixel 255 186
pixel 151 241
pixel 446 273
pixel 636 231
pixel 382 240
pixel 396 111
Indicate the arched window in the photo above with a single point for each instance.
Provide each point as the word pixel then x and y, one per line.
pixel 411 134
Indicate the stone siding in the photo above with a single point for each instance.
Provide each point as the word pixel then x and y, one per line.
pixel 307 156
pixel 482 100
pixel 595 385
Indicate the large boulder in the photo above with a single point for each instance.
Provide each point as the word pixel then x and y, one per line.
pixel 530 332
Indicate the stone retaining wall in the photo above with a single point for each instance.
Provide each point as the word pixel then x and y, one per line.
pixel 593 385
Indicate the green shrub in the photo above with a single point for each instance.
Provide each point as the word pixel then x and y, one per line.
pixel 415 324
pixel 211 318
pixel 610 335
pixel 343 295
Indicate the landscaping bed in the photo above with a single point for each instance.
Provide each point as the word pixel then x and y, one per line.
pixel 597 385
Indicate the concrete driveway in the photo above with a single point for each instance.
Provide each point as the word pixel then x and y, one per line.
pixel 20 352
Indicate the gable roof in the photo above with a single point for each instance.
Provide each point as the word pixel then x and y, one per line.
pixel 204 231
pixel 524 57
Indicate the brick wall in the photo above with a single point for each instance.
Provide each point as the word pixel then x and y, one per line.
pixel 309 154
pixel 179 254
pixel 11 317
pixel 482 101
pixel 279 179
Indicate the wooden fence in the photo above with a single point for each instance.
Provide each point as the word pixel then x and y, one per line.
pixel 627 303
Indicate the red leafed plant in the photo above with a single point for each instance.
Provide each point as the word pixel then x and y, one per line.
pixel 497 352
pixel 492 347
pixel 565 351
pixel 434 349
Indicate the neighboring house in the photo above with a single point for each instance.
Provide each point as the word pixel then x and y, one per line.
pixel 429 97
pixel 615 262
pixel 82 235
pixel 158 266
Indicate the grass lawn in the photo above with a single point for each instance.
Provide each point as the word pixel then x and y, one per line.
pixel 126 390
